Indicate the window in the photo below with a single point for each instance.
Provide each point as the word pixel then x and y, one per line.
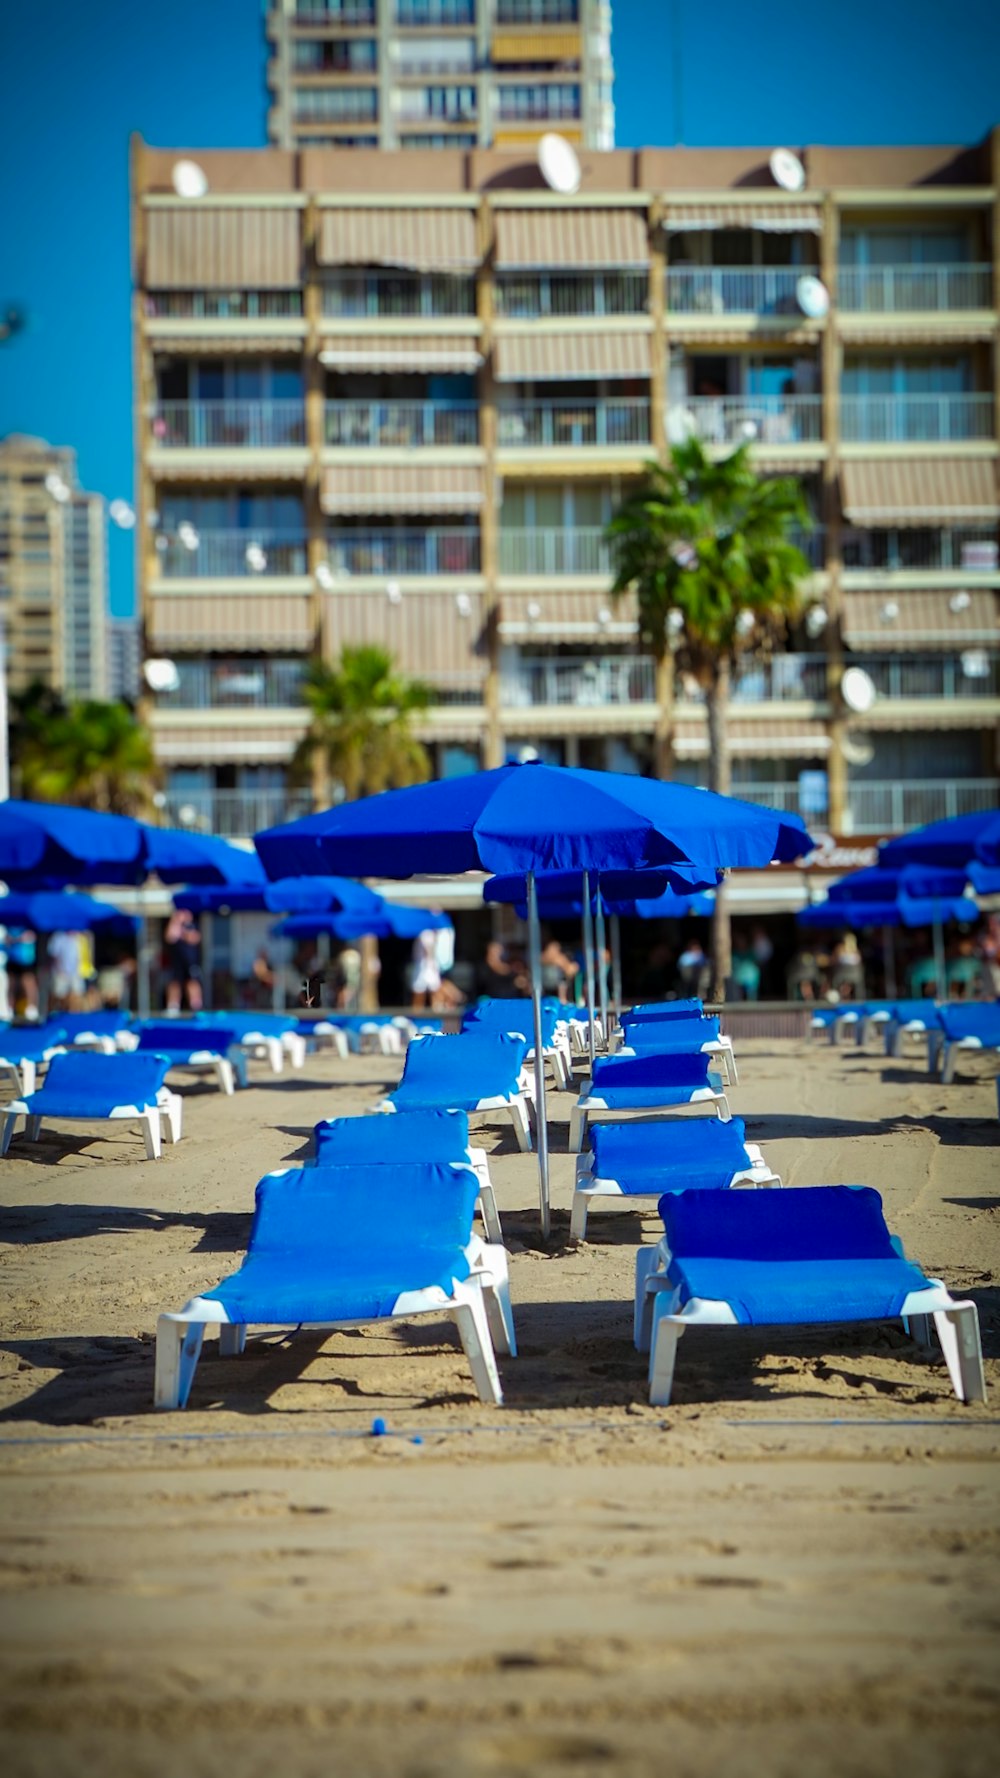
pixel 458 102
pixel 436 55
pixel 354 55
pixel 353 104
pixel 434 139
pixel 435 12
pixel 544 100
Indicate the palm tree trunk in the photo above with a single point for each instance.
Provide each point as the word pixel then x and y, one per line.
pixel 663 740
pixel 320 786
pixel 719 780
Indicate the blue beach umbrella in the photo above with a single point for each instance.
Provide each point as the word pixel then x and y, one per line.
pixel 956 842
pixel 906 910
pixel 386 921
pixel 50 910
pixel 54 844
pixel 286 896
pixel 193 858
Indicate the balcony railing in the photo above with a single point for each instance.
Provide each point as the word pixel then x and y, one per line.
pixel 224 554
pixel 811 543
pixel 969 552
pixel 612 679
pixel 784 679
pixel 225 305
pixel 585 422
pixel 914 419
pixel 404 552
pixel 528 295
pixel 884 289
pixel 554 552
pixel 728 290
pixel 539 103
pixel 233 814
pixel 240 425
pixel 538 12
pixel 335 12
pixel 741 419
pixel 237 684
pixel 884 808
pixel 363 424
pixel 397 295
pixel 935 676
pixel 435 12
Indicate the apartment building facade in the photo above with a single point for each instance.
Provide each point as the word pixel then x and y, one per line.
pixel 396 398
pixel 438 73
pixel 53 571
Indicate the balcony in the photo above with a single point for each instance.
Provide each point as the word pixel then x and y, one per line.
pixel 878 808
pixel 404 552
pixel 233 814
pixel 892 551
pixel 741 419
pixel 539 103
pixel 225 555
pixel 538 12
pixel 236 684
pixel 539 552
pixel 534 294
pixel 223 425
pixel 335 12
pixel 588 421
pixel 934 676
pixel 224 305
pixel 363 425
pixel 374 295
pixel 734 290
pixel 915 419
pixel 610 680
pixel 784 679
pixel 435 12
pixel 887 289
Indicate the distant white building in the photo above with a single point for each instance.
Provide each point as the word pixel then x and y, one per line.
pixel 123 658
pixel 53 570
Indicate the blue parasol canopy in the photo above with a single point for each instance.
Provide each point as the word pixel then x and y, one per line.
pixel 955 843
pixel 905 910
pixel 53 843
pixel 179 857
pixel 385 922
pixel 921 882
pixel 49 910
pixel 286 896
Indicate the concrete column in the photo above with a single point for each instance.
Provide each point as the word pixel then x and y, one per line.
pixel 658 341
pixel 493 741
pixel 832 365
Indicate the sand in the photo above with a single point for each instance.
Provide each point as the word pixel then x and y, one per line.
pixel 793 1569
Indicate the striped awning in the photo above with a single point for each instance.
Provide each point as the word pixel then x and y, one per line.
pixel 890 331
pixel 457 352
pixel 538 45
pixel 540 356
pixel 433 635
pixel 250 619
pixel 565 613
pixel 775 738
pixel 240 737
pixel 885 620
pixel 401 487
pixel 774 219
pixel 221 344
pixel 920 490
pixel 602 240
pixel 279 463
pixel 223 249
pixel 420 240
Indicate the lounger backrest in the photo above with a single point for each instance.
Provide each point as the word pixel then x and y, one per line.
pixel 410 1136
pixel 668 1144
pixel 817 1222
pixel 647 1033
pixel 904 1010
pixel 270 1024
pixel 177 1037
pixel 83 1075
pixel 666 1009
pixel 22 1044
pixel 512 1015
pixel 100 1023
pixel 972 1021
pixel 426 1205
pixel 653 1069
pixel 475 1064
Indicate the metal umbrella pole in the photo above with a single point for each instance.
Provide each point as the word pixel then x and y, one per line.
pixel 588 959
pixel 207 958
pixel 889 961
pixel 143 969
pixel 614 925
pixel 940 983
pixel 541 1121
pixel 602 974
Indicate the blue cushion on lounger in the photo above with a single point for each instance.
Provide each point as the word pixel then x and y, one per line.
pixel 666 1009
pixel 378 1141
pixel 679 1155
pixel 651 1079
pixel 460 1071
pixel 677 1035
pixel 905 1011
pixel 83 1084
pixel 20 1044
pixel 175 1038
pixel 818 1253
pixel 514 1015
pixel 982 1021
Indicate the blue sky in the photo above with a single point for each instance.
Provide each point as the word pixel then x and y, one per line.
pixel 79 78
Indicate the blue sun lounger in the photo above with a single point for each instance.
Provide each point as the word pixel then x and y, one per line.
pixel 272 1035
pixel 25 1052
pixel 88 1087
pixel 909 1018
pixel 666 1009
pixel 517 1015
pixel 622 1086
pixel 973 1027
pixel 341 1247
pixel 644 1160
pixel 411 1136
pixel 679 1037
pixel 98 1030
pixel 810 1256
pixel 473 1072
pixel 200 1048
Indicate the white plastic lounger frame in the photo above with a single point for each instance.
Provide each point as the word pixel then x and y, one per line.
pixel 379 1040
pixel 228 1069
pixel 589 1107
pixel 327 1036
pixel 660 1322
pixel 937 1043
pixel 147 1116
pixel 589 1187
pixel 517 1105
pixel 894 1034
pixel 23 1073
pixel 479 1306
pixel 721 1048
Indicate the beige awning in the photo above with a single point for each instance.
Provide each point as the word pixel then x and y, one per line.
pixel 240 737
pixel 420 240
pixel 278 463
pixel 249 619
pixel 775 738
pixel 401 487
pixel 219 345
pixel 885 620
pixel 566 613
pixel 211 249
pixel 920 490
pixel 539 356
pixel 535 46
pixel 431 635
pixel 457 352
pixel 890 331
pixel 774 219
pixel 578 240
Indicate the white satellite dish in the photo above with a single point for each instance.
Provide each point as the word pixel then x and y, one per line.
pixel 959 602
pixel 187 535
pixel 188 179
pixel 558 164
pixel 161 675
pixel 816 620
pixel 121 514
pixel 394 592
pixel 812 296
pixel 324 576
pixel 787 170
pixel 858 690
pixel 888 612
pixel 55 486
pixel 975 663
pixel 463 604
pixel 256 558
pixel 534 611
pixel 745 623
pixel 858 750
pixel 675 622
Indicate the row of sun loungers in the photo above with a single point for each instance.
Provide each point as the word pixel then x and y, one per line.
pixel 947 1029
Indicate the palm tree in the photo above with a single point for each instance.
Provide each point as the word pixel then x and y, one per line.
pixel 705 547
pixel 360 732
pixel 96 755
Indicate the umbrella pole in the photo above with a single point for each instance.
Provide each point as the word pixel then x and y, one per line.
pixel 602 974
pixel 541 1123
pixel 588 959
pixel 939 964
pixel 207 959
pixel 143 961
pixel 889 961
pixel 616 965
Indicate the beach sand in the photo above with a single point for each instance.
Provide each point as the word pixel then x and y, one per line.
pixel 791 1570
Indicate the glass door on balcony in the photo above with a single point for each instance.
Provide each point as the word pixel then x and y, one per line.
pixel 554 529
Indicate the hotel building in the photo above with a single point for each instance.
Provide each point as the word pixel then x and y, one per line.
pixel 395 398
pixel 53 571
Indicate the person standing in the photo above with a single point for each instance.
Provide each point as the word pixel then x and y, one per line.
pixel 426 983
pixel 182 946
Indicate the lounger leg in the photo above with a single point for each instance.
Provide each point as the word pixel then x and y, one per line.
pixel 172 1113
pixel 645 1265
pixel 29 1078
pixel 7 1130
pixel 919 1329
pixel 578 1216
pixel 577 1127
pixel 496 1293
pixel 296 1049
pixel 276 1055
pixel 950 1058
pixel 958 1331
pixel 178 1348
pixel 723 1106
pixel 224 1074
pixel 666 1332
pixel 474 1332
pixel 522 1129
pixel 232 1339
pixel 150 1122
pixel 32 1128
pixel 341 1045
pixel 731 1056
pixel 489 1212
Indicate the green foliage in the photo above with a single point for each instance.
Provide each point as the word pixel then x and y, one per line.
pixel 95 755
pixel 360 733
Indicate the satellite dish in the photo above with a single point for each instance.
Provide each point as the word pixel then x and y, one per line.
pixel 394 592
pixel 975 663
pixel 888 612
pixel 816 620
pixel 188 179
pixel 463 604
pixel 858 750
pixel 55 486
pixel 675 622
pixel 745 623
pixel 324 576
pixel 959 602
pixel 558 164
pixel 161 675
pixel 534 611
pixel 188 535
pixel 858 690
pixel 121 514
pixel 812 296
pixel 604 616
pixel 787 170
pixel 256 558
